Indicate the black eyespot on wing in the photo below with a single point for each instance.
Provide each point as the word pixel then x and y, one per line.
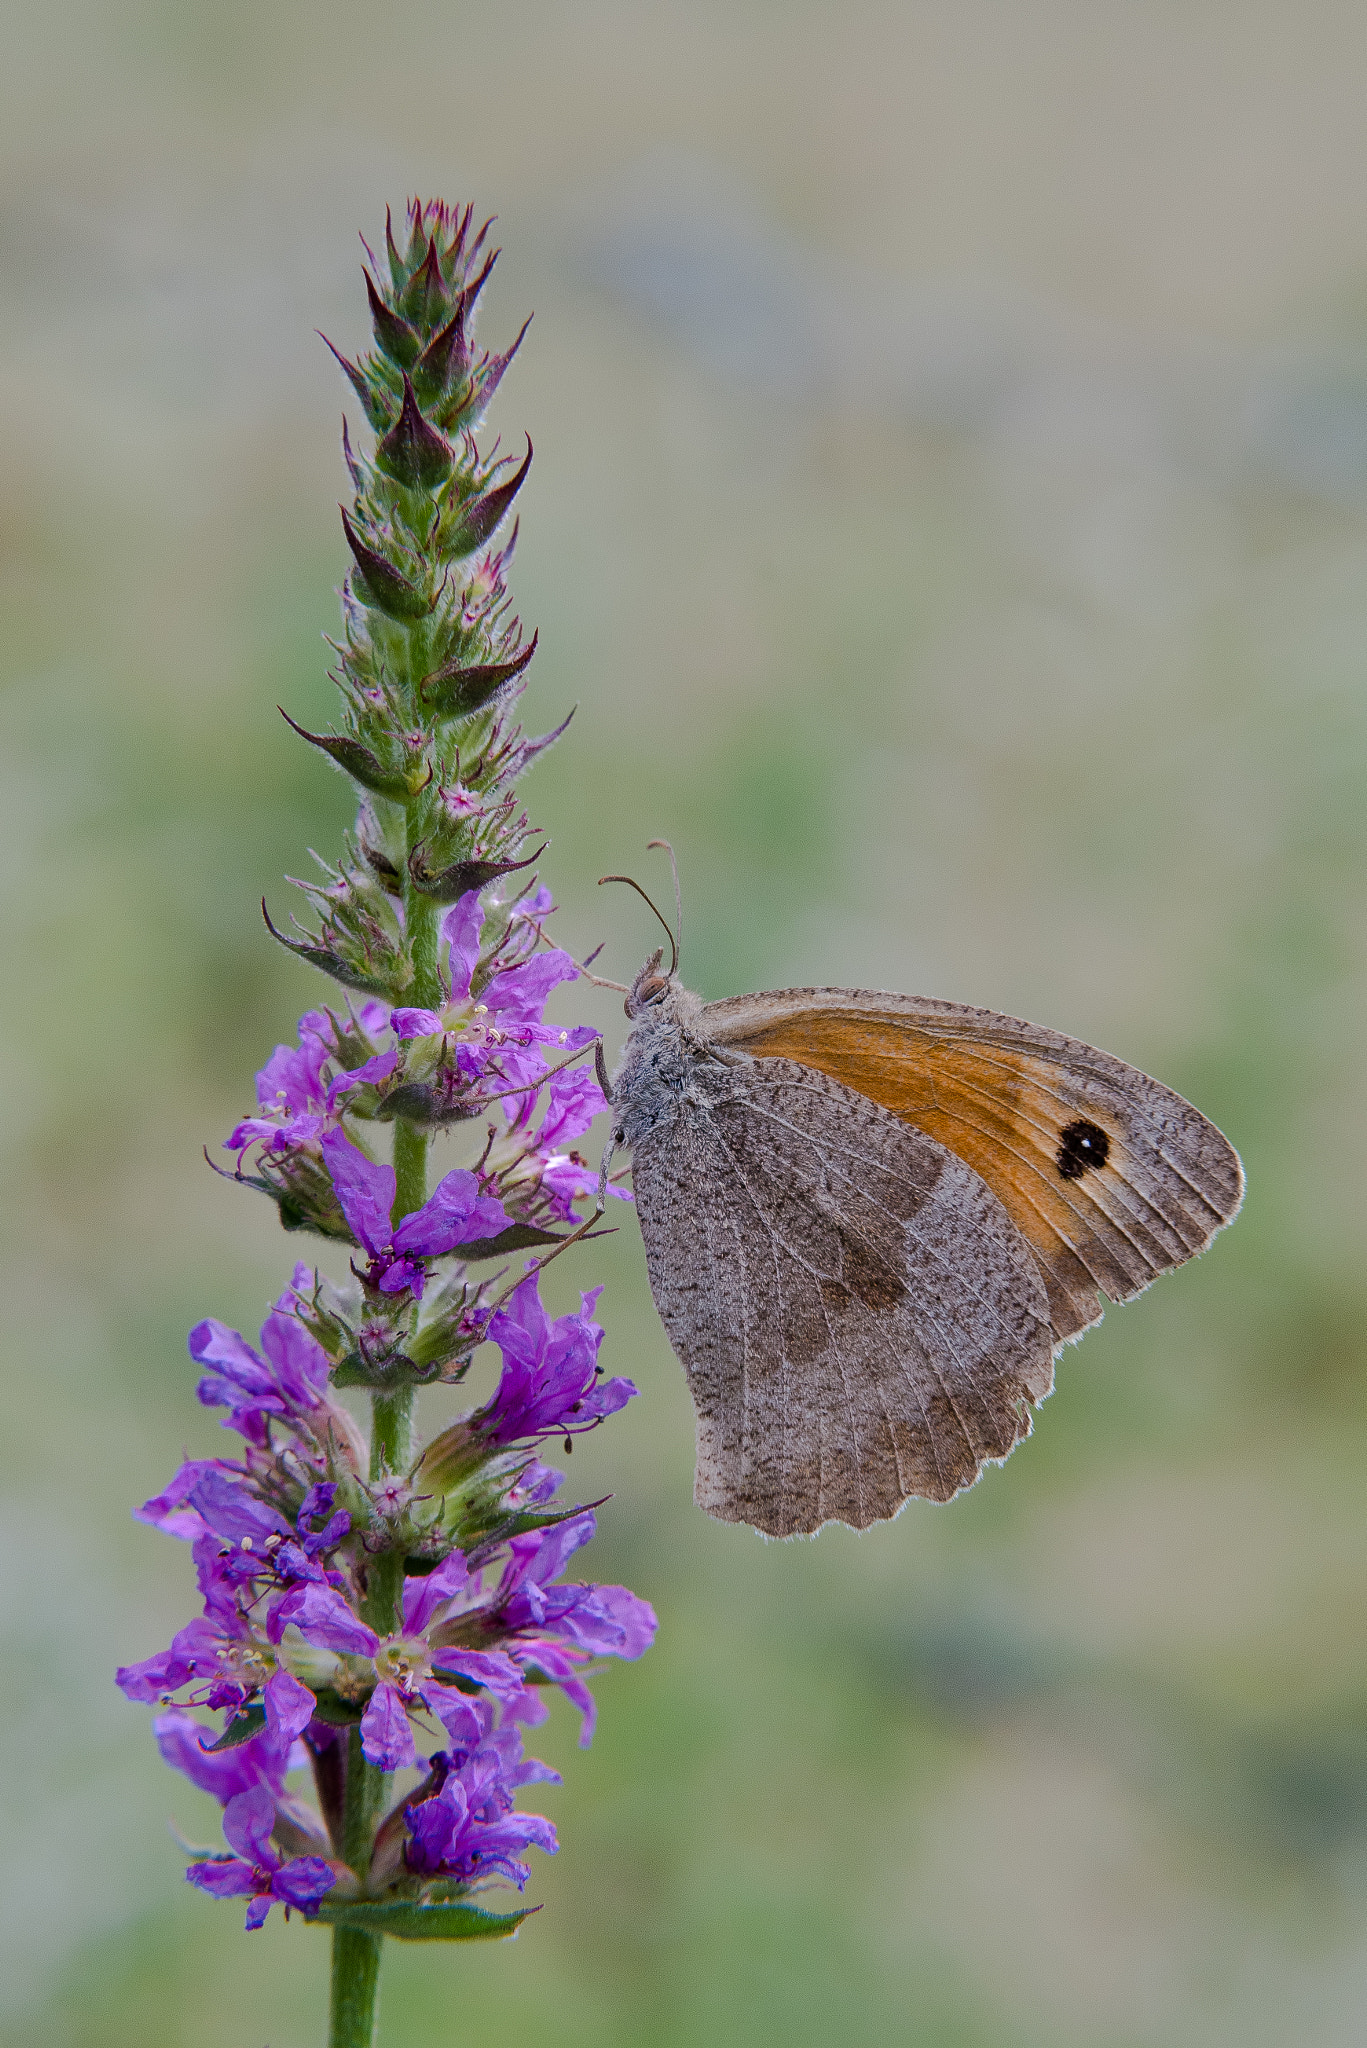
pixel 1081 1145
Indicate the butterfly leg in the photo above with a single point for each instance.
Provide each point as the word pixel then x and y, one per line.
pixel 601 1067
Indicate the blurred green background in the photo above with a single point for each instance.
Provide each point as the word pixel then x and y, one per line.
pixel 950 513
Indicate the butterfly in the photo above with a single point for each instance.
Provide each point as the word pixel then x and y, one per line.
pixel 871 1221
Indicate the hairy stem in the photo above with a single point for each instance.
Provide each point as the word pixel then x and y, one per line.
pixel 355 1979
pixel 356 1955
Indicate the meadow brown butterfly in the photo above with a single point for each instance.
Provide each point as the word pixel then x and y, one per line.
pixel 871 1221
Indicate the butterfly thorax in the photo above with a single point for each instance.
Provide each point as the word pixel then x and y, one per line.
pixel 660 1057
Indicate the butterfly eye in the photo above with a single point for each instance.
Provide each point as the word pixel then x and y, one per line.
pixel 647 989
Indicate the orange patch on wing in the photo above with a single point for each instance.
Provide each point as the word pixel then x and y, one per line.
pixel 998 1109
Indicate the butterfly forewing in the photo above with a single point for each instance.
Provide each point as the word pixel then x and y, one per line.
pixel 858 1317
pixel 1110 1177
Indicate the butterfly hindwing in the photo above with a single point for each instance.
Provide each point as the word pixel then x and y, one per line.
pixel 858 1318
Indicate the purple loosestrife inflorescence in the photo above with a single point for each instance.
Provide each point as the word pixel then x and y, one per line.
pixel 369 1607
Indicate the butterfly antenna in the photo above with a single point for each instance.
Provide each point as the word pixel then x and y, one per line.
pixel 673 944
pixel 678 894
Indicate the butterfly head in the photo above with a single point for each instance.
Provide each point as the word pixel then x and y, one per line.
pixel 650 987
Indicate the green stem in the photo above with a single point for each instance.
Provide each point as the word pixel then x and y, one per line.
pixel 391 1432
pixel 410 1169
pixel 355 1954
pixel 355 1979
pixel 422 921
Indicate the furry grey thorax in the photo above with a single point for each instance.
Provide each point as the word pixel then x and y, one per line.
pixel 661 1055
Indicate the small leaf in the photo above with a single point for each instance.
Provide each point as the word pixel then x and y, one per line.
pixel 412 451
pixel 393 334
pixel 357 761
pixel 455 691
pixel 246 1722
pixel 373 401
pixel 484 515
pixel 516 1238
pixel 406 1920
pixel 448 885
pixel 380 582
pixel 330 962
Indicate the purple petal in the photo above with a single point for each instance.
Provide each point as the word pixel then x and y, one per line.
pixel 317 1501
pixel 377 1069
pixel 257 1911
pixel 292 1077
pixel 302 1882
pixel 454 1213
pixel 541 1558
pixel 365 1191
pixel 323 1618
pixel 424 1597
pixel 233 1513
pixel 289 1706
pixel 155 1676
pixel 160 1511
pixel 432 1823
pixel 519 995
pixel 225 1878
pixel 247 1822
pixel 416 1024
pixel 224 1772
pixel 484 1667
pixel 301 1364
pixel 461 928
pixel 212 1343
pixel 456 1714
pixel 574 1099
pixel 386 1733
pixel 401 1274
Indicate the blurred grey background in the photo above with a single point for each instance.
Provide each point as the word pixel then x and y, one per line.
pixel 950 514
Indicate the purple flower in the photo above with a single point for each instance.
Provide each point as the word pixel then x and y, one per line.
pixel 222 1652
pixel 539 1175
pixel 288 1375
pixel 262 1760
pixel 410 1670
pixel 296 1094
pixel 555 1628
pixel 550 1384
pixel 290 1091
pixel 256 1872
pixel 501 1034
pixel 454 1214
pixel 466 1827
pixel 167 1510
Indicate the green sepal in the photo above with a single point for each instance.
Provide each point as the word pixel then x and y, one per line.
pixel 246 1722
pixel 360 764
pixel 406 1920
pixel 397 1371
pixel 527 1521
pixel 337 1712
pixel 294 1211
pixel 373 397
